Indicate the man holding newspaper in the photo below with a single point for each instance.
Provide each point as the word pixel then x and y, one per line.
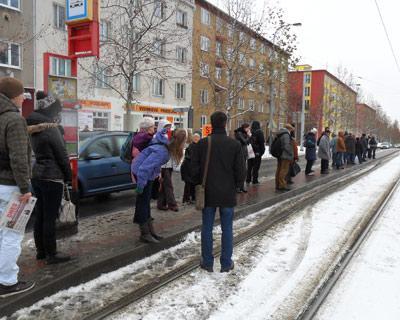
pixel 15 171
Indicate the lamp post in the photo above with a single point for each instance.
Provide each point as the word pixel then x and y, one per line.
pixel 271 84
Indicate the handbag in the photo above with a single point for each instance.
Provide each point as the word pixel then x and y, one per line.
pixel 67 209
pixel 200 189
pixel 250 152
pixel 294 169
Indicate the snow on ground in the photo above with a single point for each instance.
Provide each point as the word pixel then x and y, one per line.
pixel 267 155
pixel 274 278
pixel 370 286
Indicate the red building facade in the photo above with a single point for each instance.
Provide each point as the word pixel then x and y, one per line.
pixel 365 118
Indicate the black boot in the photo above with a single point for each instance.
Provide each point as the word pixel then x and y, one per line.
pixel 145 235
pixel 152 231
pixel 57 258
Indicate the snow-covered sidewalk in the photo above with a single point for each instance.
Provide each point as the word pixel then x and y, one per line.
pixel 370 287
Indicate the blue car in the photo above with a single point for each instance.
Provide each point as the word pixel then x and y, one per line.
pixel 100 169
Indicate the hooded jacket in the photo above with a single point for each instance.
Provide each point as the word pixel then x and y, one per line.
pixel 257 139
pixel 310 142
pixel 147 166
pixel 350 143
pixel 15 149
pixel 51 157
pixel 244 139
pixel 340 145
pixel 287 146
pixel 324 147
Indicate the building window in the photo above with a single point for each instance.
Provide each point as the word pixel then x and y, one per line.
pixel 204 43
pixel 242 36
pixel 137 3
pixel 205 17
pixel 262 48
pixel 218 73
pixel 204 69
pixel 135 83
pixel 230 32
pixel 101 120
pixel 181 18
pixel 229 75
pixel 60 67
pixel 261 108
pixel 252 85
pixel 180 91
pixel 240 103
pixel 203 120
pixel 10 54
pixel 252 63
pixel 307 91
pixel 159 47
pixel 253 44
pixel 13 4
pixel 218 50
pixel 158 87
pixel 181 54
pixel 307 78
pixel 159 9
pixel 220 24
pixel 229 53
pixel 261 87
pixel 59 17
pixel 105 27
pixel 103 78
pixel 204 96
pixel 242 59
pixel 307 105
pixel 251 104
pixel 262 68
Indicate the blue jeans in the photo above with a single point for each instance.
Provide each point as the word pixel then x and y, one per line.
pixel 143 211
pixel 10 243
pixel 339 159
pixel 226 215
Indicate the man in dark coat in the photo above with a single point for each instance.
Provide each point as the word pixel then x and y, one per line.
pixel 258 144
pixel 226 171
pixel 310 142
pixel 350 143
pixel 364 145
pixel 373 145
pixel 15 171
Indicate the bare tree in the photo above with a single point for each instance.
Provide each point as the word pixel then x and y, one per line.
pixel 140 42
pixel 246 62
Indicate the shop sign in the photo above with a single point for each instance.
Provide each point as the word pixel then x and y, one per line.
pixel 206 130
pixel 79 11
pixel 149 109
pixel 62 88
pixel 95 104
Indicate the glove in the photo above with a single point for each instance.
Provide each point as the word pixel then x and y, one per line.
pixel 138 190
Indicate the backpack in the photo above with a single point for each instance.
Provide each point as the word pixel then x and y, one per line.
pixel 276 146
pixel 126 149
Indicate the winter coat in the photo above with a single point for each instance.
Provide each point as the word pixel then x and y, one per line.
pixel 147 166
pixel 226 170
pixel 51 157
pixel 340 145
pixel 359 147
pixel 373 143
pixel 364 143
pixel 350 143
pixel 15 149
pixel 186 174
pixel 141 140
pixel 310 143
pixel 333 144
pixel 287 147
pixel 257 139
pixel 244 140
pixel 324 147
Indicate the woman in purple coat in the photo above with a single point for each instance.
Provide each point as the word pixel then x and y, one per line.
pixel 147 167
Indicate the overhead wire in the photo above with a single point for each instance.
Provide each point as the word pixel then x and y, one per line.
pixel 387 35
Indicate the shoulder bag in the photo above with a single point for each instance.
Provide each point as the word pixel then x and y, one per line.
pixel 200 189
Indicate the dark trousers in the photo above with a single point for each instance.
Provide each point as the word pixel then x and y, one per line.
pixel 324 165
pixel 142 210
pixel 359 157
pixel 369 153
pixel 253 166
pixel 49 195
pixel 189 193
pixel 364 155
pixel 166 196
pixel 309 166
pixel 373 150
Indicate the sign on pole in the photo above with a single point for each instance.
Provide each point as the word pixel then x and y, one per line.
pixel 206 130
pixel 79 11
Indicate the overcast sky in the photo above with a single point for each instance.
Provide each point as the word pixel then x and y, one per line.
pixel 350 33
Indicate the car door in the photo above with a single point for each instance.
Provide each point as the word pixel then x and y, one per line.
pixel 97 165
pixel 123 169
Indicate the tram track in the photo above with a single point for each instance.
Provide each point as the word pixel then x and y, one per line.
pixel 277 214
pixel 358 238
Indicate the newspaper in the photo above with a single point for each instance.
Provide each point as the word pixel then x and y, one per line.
pixel 15 215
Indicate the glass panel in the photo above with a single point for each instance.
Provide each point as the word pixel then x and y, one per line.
pixel 54 66
pixel 15 55
pixel 3 2
pixel 61 67
pixel 62 17
pixel 68 68
pixel 3 53
pixel 102 146
pixel 14 3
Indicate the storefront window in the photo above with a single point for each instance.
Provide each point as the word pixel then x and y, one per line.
pixel 101 120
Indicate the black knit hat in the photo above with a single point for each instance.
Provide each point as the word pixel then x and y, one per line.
pixel 11 87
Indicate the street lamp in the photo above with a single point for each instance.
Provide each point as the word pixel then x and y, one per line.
pixel 271 84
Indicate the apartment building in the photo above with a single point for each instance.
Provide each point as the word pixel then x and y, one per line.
pixel 17 44
pixel 365 119
pixel 232 70
pixel 158 66
pixel 328 102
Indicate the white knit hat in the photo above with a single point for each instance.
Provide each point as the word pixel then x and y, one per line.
pixel 314 130
pixel 162 124
pixel 147 122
